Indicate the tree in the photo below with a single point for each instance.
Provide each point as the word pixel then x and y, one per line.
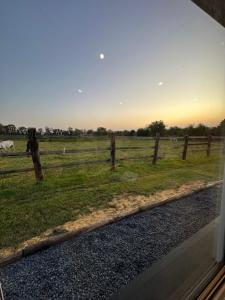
pixel 109 132
pixel 118 132
pixel 214 130
pixel 47 130
pixel 70 130
pixel 77 132
pixel 57 131
pixel 101 131
pixel 10 129
pixel 201 130
pixel 90 131
pixel 221 127
pixel 126 132
pixel 132 132
pixel 2 129
pixel 40 131
pixel 22 130
pixel 143 132
pixel 175 131
pixel 189 130
pixel 157 127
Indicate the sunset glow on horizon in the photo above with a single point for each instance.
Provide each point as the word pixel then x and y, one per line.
pixel 116 64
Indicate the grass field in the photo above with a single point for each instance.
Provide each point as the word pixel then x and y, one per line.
pixel 28 209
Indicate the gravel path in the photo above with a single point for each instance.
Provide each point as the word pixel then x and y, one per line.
pixel 96 264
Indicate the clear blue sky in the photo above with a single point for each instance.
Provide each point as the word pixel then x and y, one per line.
pixel 162 60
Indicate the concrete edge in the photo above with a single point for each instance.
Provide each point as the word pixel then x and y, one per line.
pixel 51 241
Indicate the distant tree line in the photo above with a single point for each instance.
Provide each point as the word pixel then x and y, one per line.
pixel 149 130
pixel 199 130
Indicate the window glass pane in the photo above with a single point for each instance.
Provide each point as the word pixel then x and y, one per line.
pixel 111 149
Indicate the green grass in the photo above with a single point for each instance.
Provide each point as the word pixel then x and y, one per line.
pixel 28 209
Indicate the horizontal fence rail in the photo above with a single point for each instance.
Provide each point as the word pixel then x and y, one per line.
pixel 22 170
pixel 73 151
pixel 197 144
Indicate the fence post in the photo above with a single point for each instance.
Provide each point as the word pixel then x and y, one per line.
pixel 209 145
pixel 33 149
pixel 184 155
pixel 113 151
pixel 156 148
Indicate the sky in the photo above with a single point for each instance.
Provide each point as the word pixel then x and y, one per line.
pixel 120 64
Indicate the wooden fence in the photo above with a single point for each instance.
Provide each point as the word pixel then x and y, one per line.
pixel 188 145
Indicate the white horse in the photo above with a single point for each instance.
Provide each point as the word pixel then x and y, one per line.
pixel 7 145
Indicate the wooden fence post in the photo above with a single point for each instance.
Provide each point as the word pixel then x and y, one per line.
pixel 209 145
pixel 33 149
pixel 113 151
pixel 156 148
pixel 184 155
